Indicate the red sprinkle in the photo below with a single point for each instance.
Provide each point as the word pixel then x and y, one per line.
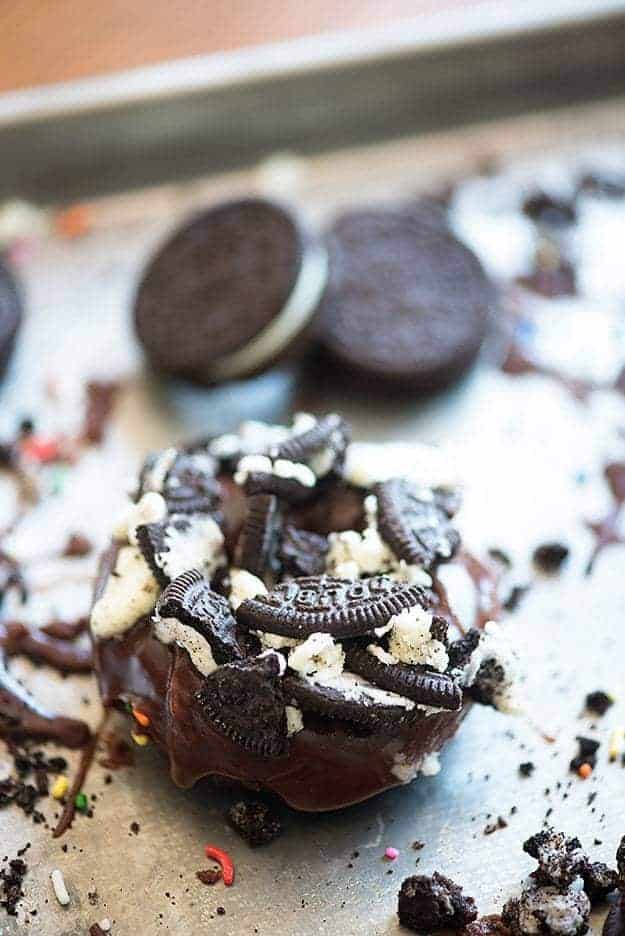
pixel 225 862
pixel 39 449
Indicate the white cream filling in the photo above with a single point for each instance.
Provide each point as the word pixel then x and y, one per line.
pixel 561 914
pixel 352 555
pixel 198 546
pixel 294 720
pixel 382 655
pixel 244 585
pixel 281 468
pixel 407 770
pixel 357 689
pixel 154 479
pixel 171 630
pixel 410 640
pixel 130 592
pixel 495 645
pixel 318 658
pixel 151 508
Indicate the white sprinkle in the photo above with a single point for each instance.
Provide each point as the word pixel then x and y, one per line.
pixel 105 925
pixel 60 890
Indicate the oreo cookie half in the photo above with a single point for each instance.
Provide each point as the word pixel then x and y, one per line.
pixel 332 702
pixel 228 292
pixel 322 447
pixel 10 315
pixel 245 702
pixel 190 600
pixel 323 604
pixel 258 539
pixel 413 682
pixel 415 523
pixel 406 303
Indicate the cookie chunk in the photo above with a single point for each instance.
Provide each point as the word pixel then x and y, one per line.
pixel 428 904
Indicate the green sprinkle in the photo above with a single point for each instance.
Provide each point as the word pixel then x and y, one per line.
pixel 81 803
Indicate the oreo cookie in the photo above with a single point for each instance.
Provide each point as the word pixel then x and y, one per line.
pixel 190 600
pixel 415 523
pixel 322 447
pixel 333 703
pixel 245 702
pixel 258 539
pixel 229 292
pixel 182 542
pixel 185 479
pixel 412 682
pixel 10 315
pixel 407 303
pixel 302 552
pixel 287 489
pixel 323 604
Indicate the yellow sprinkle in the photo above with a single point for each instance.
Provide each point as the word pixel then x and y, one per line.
pixel 616 743
pixel 140 739
pixel 61 785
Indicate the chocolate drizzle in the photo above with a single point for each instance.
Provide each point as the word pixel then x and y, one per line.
pixel 606 530
pixel 22 717
pixel 16 639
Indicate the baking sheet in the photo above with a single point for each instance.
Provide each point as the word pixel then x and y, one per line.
pixel 521 444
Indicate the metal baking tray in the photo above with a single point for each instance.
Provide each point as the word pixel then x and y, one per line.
pixel 208 114
pixel 519 442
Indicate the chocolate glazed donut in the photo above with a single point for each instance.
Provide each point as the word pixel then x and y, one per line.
pixel 304 647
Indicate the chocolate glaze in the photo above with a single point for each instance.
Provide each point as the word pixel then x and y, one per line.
pixel 22 717
pixel 16 639
pixel 327 766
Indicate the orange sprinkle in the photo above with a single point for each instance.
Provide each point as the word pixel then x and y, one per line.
pixel 141 717
pixel 584 771
pixel 75 221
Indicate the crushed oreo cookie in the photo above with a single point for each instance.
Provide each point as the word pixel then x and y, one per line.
pixel 416 525
pixel 302 553
pixel 11 880
pixel 550 556
pixel 599 702
pixel 190 599
pixel 587 753
pixel 429 904
pixel 254 822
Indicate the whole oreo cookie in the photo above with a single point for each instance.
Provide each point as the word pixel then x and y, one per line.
pixel 10 315
pixel 415 523
pixel 229 292
pixel 323 604
pixel 406 303
pixel 258 539
pixel 413 682
pixel 190 599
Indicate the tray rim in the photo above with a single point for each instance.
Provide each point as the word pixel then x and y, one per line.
pixel 484 21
